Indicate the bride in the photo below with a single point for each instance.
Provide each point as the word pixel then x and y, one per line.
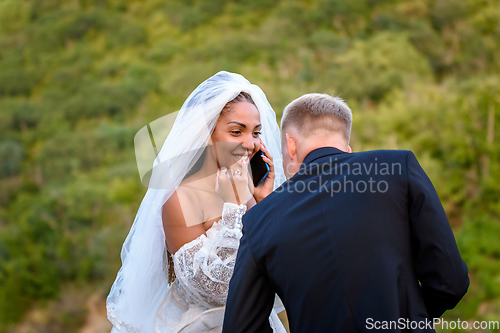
pixel 179 255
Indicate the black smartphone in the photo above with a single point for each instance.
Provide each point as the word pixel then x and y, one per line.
pixel 259 168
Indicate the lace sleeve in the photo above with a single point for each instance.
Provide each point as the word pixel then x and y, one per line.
pixel 205 265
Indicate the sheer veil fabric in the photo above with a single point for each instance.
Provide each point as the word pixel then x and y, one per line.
pixel 142 281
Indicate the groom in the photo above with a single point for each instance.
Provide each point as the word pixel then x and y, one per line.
pixel 351 242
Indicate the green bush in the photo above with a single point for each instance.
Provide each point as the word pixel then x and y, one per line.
pixel 13 15
pixel 11 156
pixel 18 81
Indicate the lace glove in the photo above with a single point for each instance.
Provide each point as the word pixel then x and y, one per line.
pixel 205 265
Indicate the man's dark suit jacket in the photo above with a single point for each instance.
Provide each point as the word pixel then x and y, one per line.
pixel 351 242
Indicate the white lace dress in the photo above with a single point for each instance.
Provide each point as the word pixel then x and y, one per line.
pixel 196 300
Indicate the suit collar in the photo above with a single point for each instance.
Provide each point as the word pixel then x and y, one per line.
pixel 321 152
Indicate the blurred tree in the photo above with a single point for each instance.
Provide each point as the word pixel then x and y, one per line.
pixel 14 14
pixel 11 155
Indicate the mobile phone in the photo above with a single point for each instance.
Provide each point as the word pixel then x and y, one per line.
pixel 259 168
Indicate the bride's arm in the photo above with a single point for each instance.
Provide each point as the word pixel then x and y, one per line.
pixel 204 266
pixel 204 261
pixel 174 215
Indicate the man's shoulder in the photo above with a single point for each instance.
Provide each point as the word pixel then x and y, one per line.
pixel 383 154
pixel 262 212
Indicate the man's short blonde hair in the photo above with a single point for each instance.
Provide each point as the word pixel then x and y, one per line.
pixel 315 112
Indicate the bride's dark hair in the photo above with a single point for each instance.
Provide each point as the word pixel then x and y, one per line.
pixel 242 97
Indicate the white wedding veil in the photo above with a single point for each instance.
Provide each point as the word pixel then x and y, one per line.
pixel 142 281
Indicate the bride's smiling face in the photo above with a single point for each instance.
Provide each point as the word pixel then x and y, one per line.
pixel 236 134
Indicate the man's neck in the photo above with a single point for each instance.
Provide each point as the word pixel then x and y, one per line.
pixel 316 143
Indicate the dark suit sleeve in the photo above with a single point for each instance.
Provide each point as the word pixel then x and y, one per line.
pixel 250 299
pixel 438 265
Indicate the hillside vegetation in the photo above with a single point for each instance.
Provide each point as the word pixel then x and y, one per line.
pixel 78 79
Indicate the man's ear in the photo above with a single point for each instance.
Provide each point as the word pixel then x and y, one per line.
pixel 349 149
pixel 291 147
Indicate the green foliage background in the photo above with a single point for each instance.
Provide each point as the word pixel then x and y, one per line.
pixel 78 78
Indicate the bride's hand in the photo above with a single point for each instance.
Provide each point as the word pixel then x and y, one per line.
pixel 233 186
pixel 266 187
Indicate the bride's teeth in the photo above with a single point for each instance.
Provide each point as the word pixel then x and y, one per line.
pixel 241 158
